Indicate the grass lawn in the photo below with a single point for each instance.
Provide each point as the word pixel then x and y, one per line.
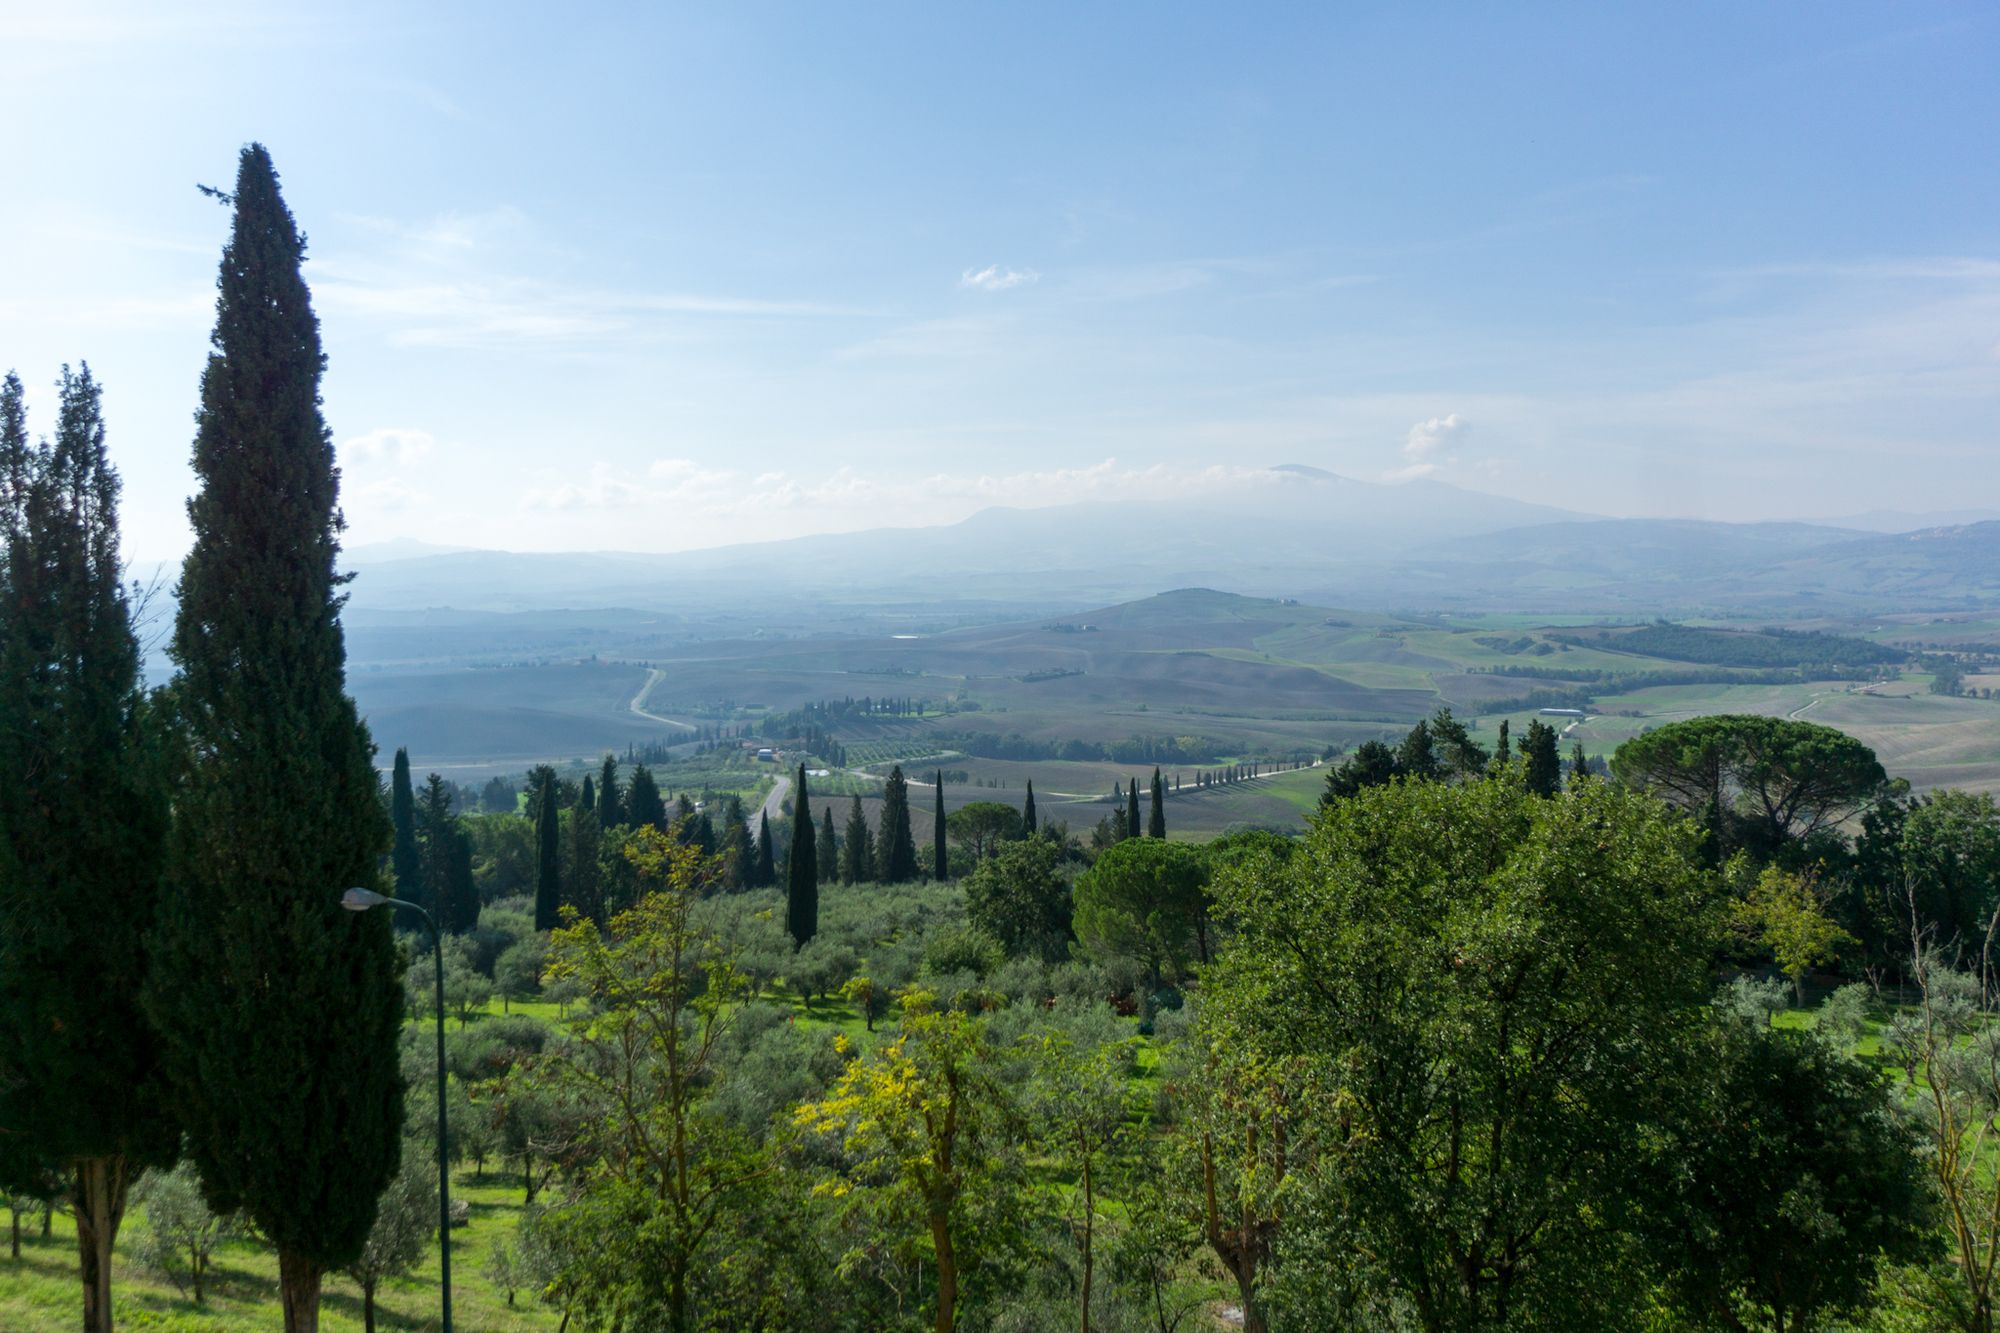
pixel 40 1290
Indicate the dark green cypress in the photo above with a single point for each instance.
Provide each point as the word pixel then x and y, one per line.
pixel 1028 821
pixel 1540 758
pixel 940 862
pixel 644 806
pixel 1503 751
pixel 828 846
pixel 737 863
pixel 1132 809
pixel 83 826
pixel 857 850
pixel 280 1010
pixel 437 839
pixel 766 873
pixel 802 871
pixel 895 849
pixel 1157 828
pixel 610 810
pixel 587 798
pixel 548 853
pixel 403 858
pixel 1579 763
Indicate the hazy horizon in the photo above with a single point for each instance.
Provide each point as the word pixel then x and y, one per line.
pixel 660 281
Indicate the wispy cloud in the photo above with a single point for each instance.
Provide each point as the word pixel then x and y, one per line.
pixel 398 445
pixel 998 278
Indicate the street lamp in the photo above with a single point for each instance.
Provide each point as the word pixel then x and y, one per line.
pixel 361 900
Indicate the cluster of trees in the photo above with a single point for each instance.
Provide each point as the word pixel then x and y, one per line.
pixel 1807 650
pixel 1165 750
pixel 1442 749
pixel 158 851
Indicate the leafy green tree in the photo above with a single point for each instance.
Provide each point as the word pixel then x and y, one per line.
pixel 182 1233
pixel 1372 764
pixel 1018 897
pixel 405 1220
pixel 643 803
pixel 548 854
pixel 295 1119
pixel 1156 827
pixel 1458 755
pixel 857 847
pixel 1788 919
pixel 925 1161
pixel 980 827
pixel 1784 1181
pixel 1484 986
pixel 404 858
pixel 802 872
pixel 1029 823
pixel 83 821
pixel 1762 784
pixel 896 850
pixel 1540 758
pixel 1079 1096
pixel 661 1179
pixel 1146 900
pixel 1579 763
pixel 1934 859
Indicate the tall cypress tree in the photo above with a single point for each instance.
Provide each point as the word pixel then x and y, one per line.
pixel 940 862
pixel 83 824
pixel 1579 763
pixel 403 858
pixel 857 849
pixel 1132 809
pixel 1028 820
pixel 437 837
pixel 587 798
pixel 766 872
pixel 280 1011
pixel 1503 749
pixel 828 846
pixel 1541 758
pixel 548 852
pixel 737 853
pixel 896 851
pixel 802 871
pixel 610 810
pixel 644 806
pixel 1157 827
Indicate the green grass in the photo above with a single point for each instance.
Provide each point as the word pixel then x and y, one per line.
pixel 40 1290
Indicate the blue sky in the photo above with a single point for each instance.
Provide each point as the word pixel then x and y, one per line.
pixel 667 276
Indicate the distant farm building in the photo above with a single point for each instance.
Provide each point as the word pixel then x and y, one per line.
pixel 1563 712
pixel 768 754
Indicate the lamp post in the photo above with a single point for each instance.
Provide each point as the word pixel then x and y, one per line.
pixel 361 900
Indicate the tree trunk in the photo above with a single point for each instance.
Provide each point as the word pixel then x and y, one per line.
pixel 298 1285
pixel 368 1307
pixel 947 1273
pixel 15 1213
pixel 197 1265
pixel 1089 1218
pixel 99 1204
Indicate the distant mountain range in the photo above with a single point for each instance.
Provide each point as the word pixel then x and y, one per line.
pixel 1307 533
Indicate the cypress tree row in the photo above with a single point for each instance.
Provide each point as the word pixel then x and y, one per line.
pixel 83 824
pixel 548 853
pixel 940 863
pixel 280 1011
pixel 403 814
pixel 857 850
pixel 1157 827
pixel 896 849
pixel 1132 809
pixel 802 872
pixel 828 845
pixel 1028 821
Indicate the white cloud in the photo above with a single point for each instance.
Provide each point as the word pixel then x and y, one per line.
pixel 1426 444
pixel 998 278
pixel 395 445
